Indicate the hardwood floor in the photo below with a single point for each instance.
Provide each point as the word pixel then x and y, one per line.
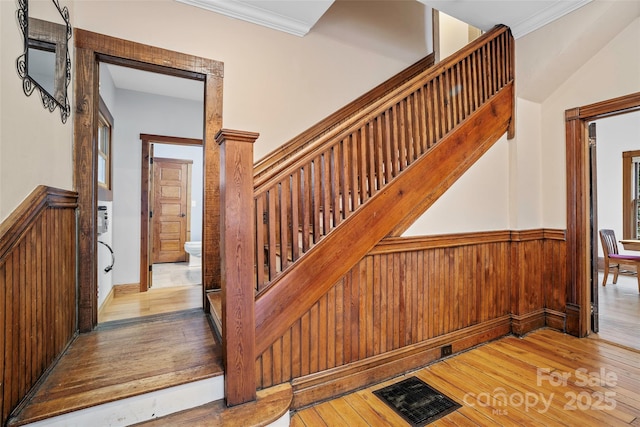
pixel 152 302
pixel 545 379
pixel 619 309
pixel 125 359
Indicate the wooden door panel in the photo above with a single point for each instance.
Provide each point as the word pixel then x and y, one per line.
pixel 170 190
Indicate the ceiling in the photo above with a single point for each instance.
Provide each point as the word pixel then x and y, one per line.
pixel 299 17
pixel 522 16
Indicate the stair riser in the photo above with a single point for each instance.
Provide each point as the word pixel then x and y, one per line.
pixel 144 407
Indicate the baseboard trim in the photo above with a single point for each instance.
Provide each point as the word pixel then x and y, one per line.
pixel 347 378
pixel 555 319
pixel 129 288
pixel 106 302
pixel 525 323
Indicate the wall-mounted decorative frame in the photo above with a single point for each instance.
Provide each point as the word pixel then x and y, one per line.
pixel 45 63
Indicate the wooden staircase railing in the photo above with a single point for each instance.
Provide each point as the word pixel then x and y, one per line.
pixel 309 137
pixel 320 211
pixel 301 201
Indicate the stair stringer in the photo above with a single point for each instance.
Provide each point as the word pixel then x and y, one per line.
pixel 406 197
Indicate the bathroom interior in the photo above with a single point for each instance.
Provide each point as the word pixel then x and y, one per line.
pixel 136 103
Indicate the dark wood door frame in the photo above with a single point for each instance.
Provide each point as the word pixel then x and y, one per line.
pixel 147 140
pixel 578 205
pixel 89 49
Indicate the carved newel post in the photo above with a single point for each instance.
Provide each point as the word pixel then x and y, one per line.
pixel 237 235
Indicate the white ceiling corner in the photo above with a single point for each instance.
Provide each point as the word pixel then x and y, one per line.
pixel 522 16
pixel 544 16
pixel 293 17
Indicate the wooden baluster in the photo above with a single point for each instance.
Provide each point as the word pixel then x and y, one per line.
pixel 438 109
pixel 500 62
pixel 375 136
pixel 395 149
pixel 353 172
pixel 345 167
pixel 420 132
pixel 237 249
pixel 306 207
pixel 326 192
pixel 455 96
pixel 485 74
pixel 261 231
pixel 460 99
pixel 387 147
pixel 336 184
pixel 409 131
pixel 448 100
pixel 295 215
pixel 468 107
pixel 429 112
pixel 374 162
pixel 271 227
pixel 362 163
pixel 284 197
pixel 475 82
pixel 401 134
pixel 316 201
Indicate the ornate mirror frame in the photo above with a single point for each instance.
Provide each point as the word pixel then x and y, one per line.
pixel 55 37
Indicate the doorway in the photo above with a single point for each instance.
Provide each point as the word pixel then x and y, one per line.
pixel 617 305
pixel 581 281
pixel 186 160
pixel 90 49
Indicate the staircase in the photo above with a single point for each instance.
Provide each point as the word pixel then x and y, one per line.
pixel 322 204
pixel 320 211
pixel 324 200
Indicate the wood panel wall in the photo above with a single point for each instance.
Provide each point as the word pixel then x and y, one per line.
pixel 37 290
pixel 409 291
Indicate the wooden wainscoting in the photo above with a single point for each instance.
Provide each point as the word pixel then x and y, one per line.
pixel 408 298
pixel 37 290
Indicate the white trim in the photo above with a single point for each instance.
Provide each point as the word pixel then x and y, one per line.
pixel 545 16
pixel 141 408
pixel 258 15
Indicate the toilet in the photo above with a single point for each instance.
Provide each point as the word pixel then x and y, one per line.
pixel 194 249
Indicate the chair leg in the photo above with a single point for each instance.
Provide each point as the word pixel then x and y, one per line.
pixel 606 272
pixel 615 273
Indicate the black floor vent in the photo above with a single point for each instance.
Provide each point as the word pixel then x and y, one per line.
pixel 416 402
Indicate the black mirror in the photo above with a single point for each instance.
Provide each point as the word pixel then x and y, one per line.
pixel 45 64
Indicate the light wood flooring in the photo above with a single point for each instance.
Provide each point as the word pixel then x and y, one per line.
pixel 619 306
pixel 152 302
pixel 128 358
pixel 512 382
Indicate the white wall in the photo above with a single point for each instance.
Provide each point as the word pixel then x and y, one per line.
pixel 478 200
pixel 105 278
pixel 275 83
pixel 454 34
pixel 614 135
pixel 137 113
pixel 614 71
pixel 35 146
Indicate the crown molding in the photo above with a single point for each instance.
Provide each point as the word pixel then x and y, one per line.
pixel 261 15
pixel 545 16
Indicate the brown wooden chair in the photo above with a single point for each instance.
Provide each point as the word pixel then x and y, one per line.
pixel 612 259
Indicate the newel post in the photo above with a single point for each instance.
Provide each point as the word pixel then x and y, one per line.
pixel 237 232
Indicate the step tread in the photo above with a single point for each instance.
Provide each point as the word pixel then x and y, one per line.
pixel 270 405
pixel 215 301
pixel 125 361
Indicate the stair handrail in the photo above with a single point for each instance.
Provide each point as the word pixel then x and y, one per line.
pixel 308 196
pixel 286 150
pixel 408 86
